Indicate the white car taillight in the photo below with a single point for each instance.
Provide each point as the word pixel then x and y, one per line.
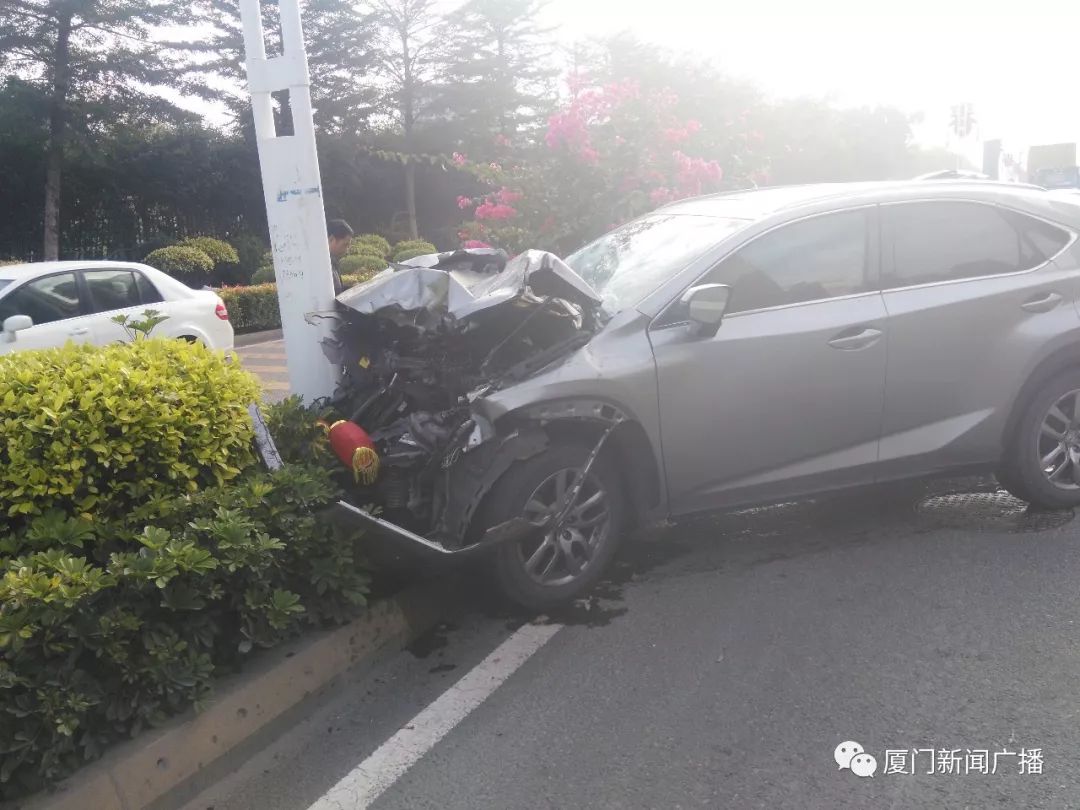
pixel 221 311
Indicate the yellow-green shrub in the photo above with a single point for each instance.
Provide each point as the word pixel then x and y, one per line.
pixel 371 244
pixel 95 430
pixel 361 264
pixel 412 248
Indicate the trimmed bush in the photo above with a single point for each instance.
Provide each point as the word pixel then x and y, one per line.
pixel 265 273
pixel 219 252
pixel 412 248
pixel 100 430
pixel 252 309
pixel 363 265
pixel 369 243
pixel 181 262
pixel 250 249
pixel 112 623
pixel 5 262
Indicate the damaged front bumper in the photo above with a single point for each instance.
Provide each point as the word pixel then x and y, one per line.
pixel 420 346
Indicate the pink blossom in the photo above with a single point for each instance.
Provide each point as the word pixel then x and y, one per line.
pixel 464 202
pixel 589 155
pixel 474 243
pixel 496 211
pixel 495 167
pixel 660 196
pixel 508 196
pixel 501 140
pixel 459 159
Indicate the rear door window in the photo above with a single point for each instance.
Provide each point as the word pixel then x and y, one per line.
pixel 147 291
pixel 928 242
pixel 112 289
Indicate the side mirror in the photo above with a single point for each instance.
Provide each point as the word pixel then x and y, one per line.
pixel 706 305
pixel 16 323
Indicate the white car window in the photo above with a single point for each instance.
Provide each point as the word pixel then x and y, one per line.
pixel 111 289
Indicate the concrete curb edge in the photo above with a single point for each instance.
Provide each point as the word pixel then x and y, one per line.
pixel 140 772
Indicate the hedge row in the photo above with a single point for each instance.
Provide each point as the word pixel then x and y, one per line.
pixel 144 552
pixel 255 308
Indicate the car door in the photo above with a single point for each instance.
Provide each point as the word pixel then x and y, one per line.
pixel 117 291
pixel 53 303
pixel 786 398
pixel 974 297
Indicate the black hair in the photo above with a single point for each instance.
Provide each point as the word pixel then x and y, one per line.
pixel 338 229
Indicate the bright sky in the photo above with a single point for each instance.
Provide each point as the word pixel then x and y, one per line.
pixel 1017 62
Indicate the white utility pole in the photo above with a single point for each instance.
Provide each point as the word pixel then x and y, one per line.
pixel 294 204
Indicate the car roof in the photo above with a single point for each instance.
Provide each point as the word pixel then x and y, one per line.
pixel 15 272
pixel 760 202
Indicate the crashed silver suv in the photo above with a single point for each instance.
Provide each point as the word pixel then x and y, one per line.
pixel 721 351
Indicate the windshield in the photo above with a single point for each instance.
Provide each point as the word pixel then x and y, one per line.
pixel 627 264
pixel 4 282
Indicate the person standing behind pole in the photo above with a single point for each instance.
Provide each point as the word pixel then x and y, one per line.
pixel 339 235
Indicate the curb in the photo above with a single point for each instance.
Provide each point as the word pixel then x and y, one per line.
pixel 139 772
pixel 255 338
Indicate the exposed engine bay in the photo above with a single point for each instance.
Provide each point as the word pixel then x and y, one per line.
pixel 419 344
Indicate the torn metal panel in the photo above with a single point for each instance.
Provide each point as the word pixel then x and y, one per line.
pixel 464 283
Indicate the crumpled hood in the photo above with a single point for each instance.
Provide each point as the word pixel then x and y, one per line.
pixel 461 284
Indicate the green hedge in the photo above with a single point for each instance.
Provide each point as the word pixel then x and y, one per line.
pixel 361 265
pixel 369 243
pixel 76 427
pixel 180 262
pixel 252 309
pixel 255 308
pixel 112 624
pixel 412 248
pixel 219 252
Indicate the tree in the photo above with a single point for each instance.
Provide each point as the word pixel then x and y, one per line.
pixel 412 46
pixel 339 40
pixel 94 61
pixel 500 73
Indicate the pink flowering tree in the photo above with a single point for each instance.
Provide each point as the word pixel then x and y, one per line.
pixel 611 153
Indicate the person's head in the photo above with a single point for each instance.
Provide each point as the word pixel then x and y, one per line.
pixel 340 236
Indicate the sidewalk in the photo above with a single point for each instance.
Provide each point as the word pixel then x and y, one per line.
pixel 266 360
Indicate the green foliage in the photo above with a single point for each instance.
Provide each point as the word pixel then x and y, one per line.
pixel 140 327
pixel 369 244
pixel 411 248
pixel 299 437
pixel 99 431
pixel 252 309
pixel 219 252
pixel 250 249
pixel 265 272
pixel 180 262
pixel 108 627
pixel 361 264
pixel 155 554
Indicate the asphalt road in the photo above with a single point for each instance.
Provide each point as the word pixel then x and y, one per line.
pixel 724 663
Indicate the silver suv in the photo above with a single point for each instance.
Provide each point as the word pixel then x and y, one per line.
pixel 777 343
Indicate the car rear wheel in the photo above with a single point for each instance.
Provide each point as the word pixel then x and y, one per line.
pixel 1042 462
pixel 560 565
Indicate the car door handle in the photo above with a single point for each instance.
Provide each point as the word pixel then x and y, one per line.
pixel 82 330
pixel 1043 304
pixel 859 338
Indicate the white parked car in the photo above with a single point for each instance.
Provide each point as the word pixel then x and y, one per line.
pixel 46 304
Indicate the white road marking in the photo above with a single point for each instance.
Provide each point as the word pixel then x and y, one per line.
pixel 389 762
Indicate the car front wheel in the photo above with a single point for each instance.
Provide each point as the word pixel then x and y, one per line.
pixel 563 563
pixel 1042 463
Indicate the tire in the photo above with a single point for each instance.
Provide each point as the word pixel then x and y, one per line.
pixel 1055 484
pixel 536 480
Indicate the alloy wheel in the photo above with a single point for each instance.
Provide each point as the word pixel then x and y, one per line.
pixel 564 553
pixel 1058 442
